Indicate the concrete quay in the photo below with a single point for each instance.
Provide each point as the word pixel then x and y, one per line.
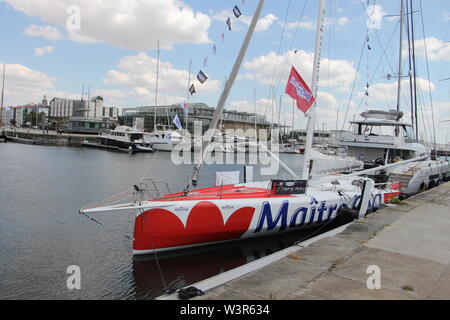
pixel 31 136
pixel 409 244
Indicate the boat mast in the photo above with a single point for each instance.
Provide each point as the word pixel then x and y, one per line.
pixel 414 69
pixel 3 92
pixel 399 86
pixel 228 85
pixel 156 89
pixel 408 31
pixel 256 116
pixel 186 114
pixel 315 81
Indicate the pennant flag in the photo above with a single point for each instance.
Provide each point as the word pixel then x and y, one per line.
pixel 237 12
pixel 205 62
pixel 192 90
pixel 214 49
pixel 202 77
pixel 298 90
pixel 229 23
pixel 176 121
pixel 185 107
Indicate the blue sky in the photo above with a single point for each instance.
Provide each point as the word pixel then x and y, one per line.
pixel 114 51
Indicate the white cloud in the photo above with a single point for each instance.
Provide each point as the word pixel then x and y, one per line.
pixel 375 14
pixel 24 85
pixel 246 106
pixel 263 23
pixel 334 73
pixel 129 24
pixel 446 15
pixel 436 48
pixel 311 25
pixel 339 21
pixel 385 93
pixel 48 32
pixel 137 74
pixel 111 96
pixel 43 51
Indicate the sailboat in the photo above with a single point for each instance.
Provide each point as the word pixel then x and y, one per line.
pixel 3 93
pixel 193 218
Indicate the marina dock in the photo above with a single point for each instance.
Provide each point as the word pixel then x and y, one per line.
pixel 39 137
pixel 407 246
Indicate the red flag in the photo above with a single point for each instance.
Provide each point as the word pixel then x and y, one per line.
pixel 299 91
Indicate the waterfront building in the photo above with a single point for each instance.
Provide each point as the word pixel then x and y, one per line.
pixel 88 125
pixel 144 117
pixel 7 116
pixel 63 109
pixel 19 114
pixel 111 112
pixel 94 109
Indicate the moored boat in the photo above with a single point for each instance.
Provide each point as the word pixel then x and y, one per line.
pixel 122 138
pixel 207 216
pixel 219 214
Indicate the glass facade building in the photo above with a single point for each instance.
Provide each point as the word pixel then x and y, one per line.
pixel 144 117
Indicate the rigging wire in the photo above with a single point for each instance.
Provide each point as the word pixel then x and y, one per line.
pixel 383 56
pixel 354 83
pixel 428 73
pixel 278 56
pixel 289 52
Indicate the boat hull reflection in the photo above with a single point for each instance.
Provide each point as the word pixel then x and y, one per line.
pixel 186 267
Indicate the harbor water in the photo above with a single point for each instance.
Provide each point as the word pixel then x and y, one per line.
pixel 42 234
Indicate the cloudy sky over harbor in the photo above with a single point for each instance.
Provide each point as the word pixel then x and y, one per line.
pixel 114 51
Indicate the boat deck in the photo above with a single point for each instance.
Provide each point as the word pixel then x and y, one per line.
pixel 226 192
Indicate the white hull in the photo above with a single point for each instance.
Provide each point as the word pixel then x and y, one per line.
pixel 228 215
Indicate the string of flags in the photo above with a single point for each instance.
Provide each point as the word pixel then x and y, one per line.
pixel 192 90
pixel 201 76
pixel 237 12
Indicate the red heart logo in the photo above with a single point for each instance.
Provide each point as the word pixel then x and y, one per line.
pixel 160 228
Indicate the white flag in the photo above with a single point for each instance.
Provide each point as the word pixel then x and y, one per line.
pixel 186 108
pixel 176 121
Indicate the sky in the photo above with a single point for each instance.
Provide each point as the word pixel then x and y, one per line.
pixel 53 47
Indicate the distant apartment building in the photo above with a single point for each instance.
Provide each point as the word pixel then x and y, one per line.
pixel 63 109
pixel 18 114
pixel 7 115
pixel 79 116
pixel 112 112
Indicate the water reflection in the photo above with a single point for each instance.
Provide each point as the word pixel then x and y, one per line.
pixel 42 233
pixel 185 267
